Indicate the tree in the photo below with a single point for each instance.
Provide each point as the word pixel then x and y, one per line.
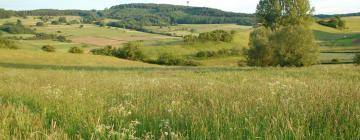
pixel 131 51
pixel 274 14
pixel 62 19
pixel 40 24
pixel 290 41
pixel 294 46
pixel 260 52
pixel 357 59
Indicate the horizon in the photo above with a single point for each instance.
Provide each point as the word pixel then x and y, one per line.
pixel 321 6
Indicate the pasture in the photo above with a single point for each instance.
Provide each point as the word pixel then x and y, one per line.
pixel 67 96
pixel 83 96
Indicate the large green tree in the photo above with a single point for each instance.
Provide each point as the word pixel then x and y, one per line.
pixel 274 14
pixel 285 38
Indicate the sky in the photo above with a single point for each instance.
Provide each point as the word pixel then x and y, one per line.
pixel 243 6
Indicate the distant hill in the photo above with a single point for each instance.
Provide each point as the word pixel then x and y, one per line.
pixel 340 15
pixel 174 14
pixel 148 14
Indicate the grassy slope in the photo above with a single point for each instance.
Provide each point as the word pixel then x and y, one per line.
pixel 319 102
pixel 62 59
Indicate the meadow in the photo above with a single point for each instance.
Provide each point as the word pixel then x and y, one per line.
pixel 83 96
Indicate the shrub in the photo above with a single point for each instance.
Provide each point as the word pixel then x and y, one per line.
pixel 48 48
pixel 357 59
pixel 217 35
pixel 62 20
pixel 294 46
pixel 205 54
pixel 17 28
pixel 76 50
pixel 74 22
pixel 335 60
pixel 40 24
pixel 242 63
pixel 44 36
pixel 290 46
pixel 260 52
pixel 190 38
pixel 81 26
pixel 221 52
pixel 130 51
pixel 107 50
pixel 55 22
pixel 334 22
pixel 5 43
pixel 169 59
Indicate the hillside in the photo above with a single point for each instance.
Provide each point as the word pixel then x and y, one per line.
pixel 172 14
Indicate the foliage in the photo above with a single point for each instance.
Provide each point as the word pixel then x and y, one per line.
pixel 190 38
pixel 17 28
pixel 62 20
pixel 40 24
pixel 76 50
pixel 73 22
pixel 48 48
pixel 5 43
pixel 276 13
pixel 55 22
pixel 290 41
pixel 5 14
pixel 131 50
pixel 357 59
pixel 217 35
pixel 107 50
pixel 260 52
pixel 162 14
pixel 219 53
pixel 335 22
pixel 172 60
pixel 45 36
pixel 294 46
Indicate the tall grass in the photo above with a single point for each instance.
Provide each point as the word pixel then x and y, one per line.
pixel 320 102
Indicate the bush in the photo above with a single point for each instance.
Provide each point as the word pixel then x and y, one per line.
pixel 290 46
pixel 219 53
pixel 40 24
pixel 55 22
pixel 357 59
pixel 74 22
pixel 130 51
pixel 169 59
pixel 17 28
pixel 81 26
pixel 242 63
pixel 107 50
pixel 294 46
pixel 190 38
pixel 172 60
pixel 62 20
pixel 76 50
pixel 260 52
pixel 48 48
pixel 335 60
pixel 44 36
pixel 217 35
pixel 5 43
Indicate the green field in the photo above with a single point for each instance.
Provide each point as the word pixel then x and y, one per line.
pixel 65 96
pixel 83 96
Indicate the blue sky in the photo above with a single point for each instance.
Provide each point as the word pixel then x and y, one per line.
pixel 245 6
